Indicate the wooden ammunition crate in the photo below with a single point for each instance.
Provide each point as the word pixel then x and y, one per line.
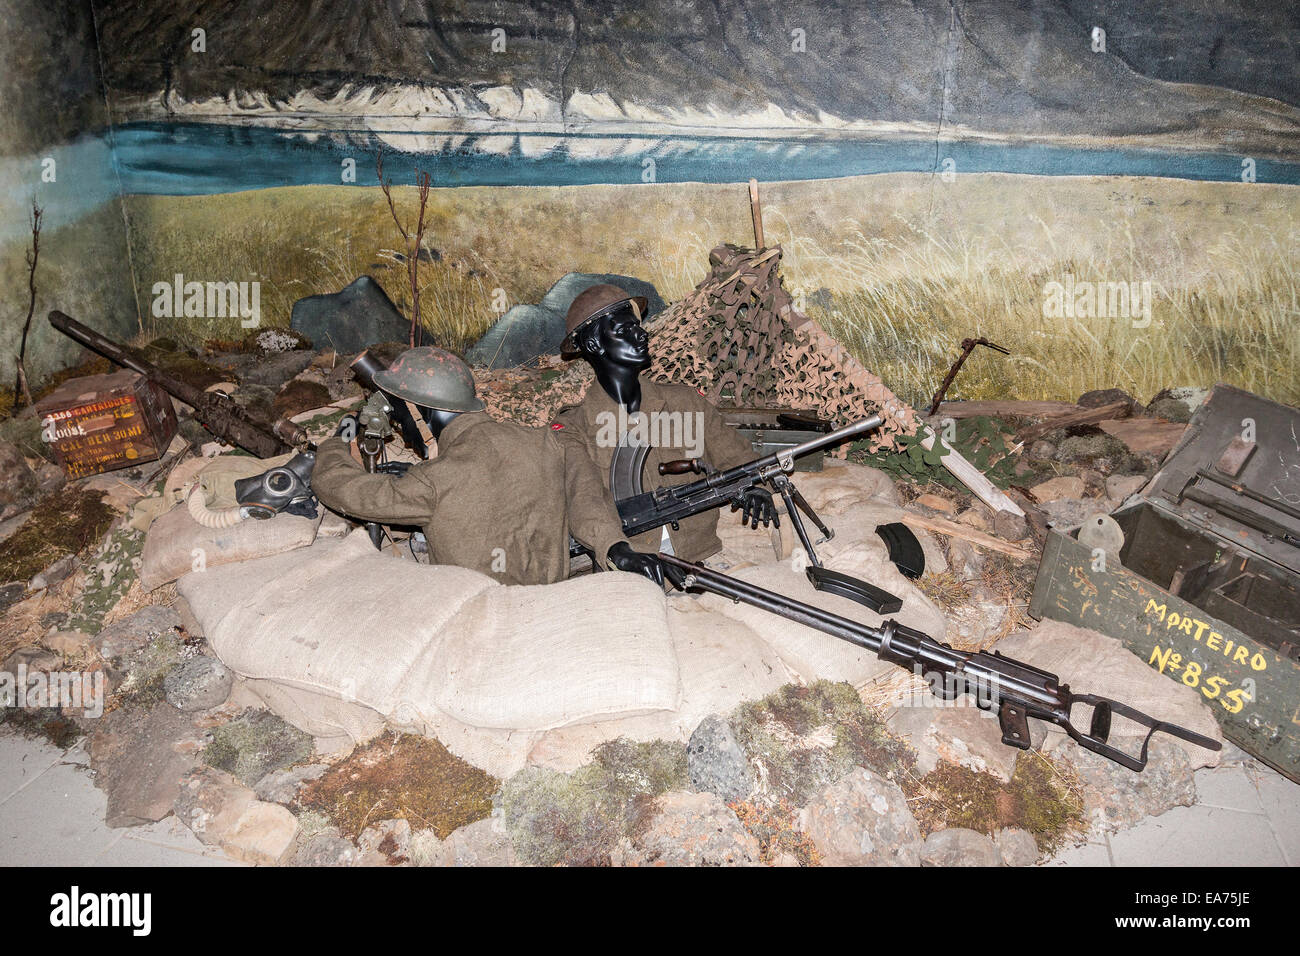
pixel 104 422
pixel 1207 586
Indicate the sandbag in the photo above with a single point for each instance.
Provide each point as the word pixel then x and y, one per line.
pixel 722 663
pixel 543 656
pixel 417 643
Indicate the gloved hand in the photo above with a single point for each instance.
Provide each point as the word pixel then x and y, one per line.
pixel 624 558
pixel 373 417
pixel 756 506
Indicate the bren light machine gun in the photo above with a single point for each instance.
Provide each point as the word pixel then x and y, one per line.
pixel 1013 690
pixel 643 510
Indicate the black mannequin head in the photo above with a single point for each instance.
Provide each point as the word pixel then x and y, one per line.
pixel 618 349
pixel 437 419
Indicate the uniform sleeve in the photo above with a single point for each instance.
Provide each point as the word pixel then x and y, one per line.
pixel 724 446
pixel 593 517
pixel 343 485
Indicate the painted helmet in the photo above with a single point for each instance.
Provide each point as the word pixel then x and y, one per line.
pixel 431 377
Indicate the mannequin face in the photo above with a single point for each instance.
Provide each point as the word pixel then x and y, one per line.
pixel 622 340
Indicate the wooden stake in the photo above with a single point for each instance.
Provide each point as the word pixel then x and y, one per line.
pixel 756 211
pixel 955 530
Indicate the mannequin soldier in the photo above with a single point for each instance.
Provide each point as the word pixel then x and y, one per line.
pixel 604 327
pixel 499 498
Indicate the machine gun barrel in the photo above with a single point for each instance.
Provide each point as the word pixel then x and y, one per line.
pixel 1015 691
pixel 218 413
pixel 668 505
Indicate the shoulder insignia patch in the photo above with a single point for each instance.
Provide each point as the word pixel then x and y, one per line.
pixel 701 391
pixel 556 426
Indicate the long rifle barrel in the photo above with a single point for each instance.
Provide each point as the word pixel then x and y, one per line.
pixel 1014 690
pixel 784 459
pixel 218 413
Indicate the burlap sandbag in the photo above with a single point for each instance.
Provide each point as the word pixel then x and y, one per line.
pixel 722 663
pixel 176 544
pixel 414 642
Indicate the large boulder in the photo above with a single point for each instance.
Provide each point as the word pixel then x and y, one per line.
pixel 351 319
pixel 527 331
pixel 863 820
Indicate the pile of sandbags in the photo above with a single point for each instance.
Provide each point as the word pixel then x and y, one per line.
pixel 342 640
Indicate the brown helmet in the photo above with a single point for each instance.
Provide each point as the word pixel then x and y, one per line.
pixel 432 377
pixel 591 304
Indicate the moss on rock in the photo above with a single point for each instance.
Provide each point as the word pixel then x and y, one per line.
pixel 64 523
pixel 577 818
pixel 255 743
pixel 401 776
pixel 803 739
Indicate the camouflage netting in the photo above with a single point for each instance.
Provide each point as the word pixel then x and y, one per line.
pixel 738 338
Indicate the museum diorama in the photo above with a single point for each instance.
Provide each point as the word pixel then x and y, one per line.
pixel 565 433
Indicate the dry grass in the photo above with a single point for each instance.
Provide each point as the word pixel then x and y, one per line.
pixel 900 267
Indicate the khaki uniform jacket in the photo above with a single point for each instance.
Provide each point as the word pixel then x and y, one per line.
pixel 723 447
pixel 500 498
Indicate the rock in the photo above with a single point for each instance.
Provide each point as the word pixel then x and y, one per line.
pixel 327 848
pixel 134 632
pixel 222 812
pixel 481 843
pixel 11 594
pixel 255 743
pixel 49 479
pixel 299 395
pixel 351 319
pixel 862 821
pixel 1115 797
pixel 69 643
pixel 690 829
pixel 1106 396
pixel 282 786
pixel 134 756
pixel 1017 846
pixel 1042 450
pixel 527 331
pixel 33 658
pixel 937 503
pixel 387 843
pixel 1054 489
pixel 1010 526
pixel 264 834
pixel 1177 404
pixel 1120 487
pixel 965 735
pixel 964 558
pixel 716 762
pixel 200 683
pixel 959 847
pixel 54 574
pixel 17 480
pixel 1094 483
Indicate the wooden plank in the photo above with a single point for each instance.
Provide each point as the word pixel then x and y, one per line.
pixel 1004 409
pixel 1086 416
pixel 965 532
pixel 974 479
pixel 1150 435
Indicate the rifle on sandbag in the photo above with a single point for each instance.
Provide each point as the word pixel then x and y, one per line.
pixel 1015 691
pixel 643 511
